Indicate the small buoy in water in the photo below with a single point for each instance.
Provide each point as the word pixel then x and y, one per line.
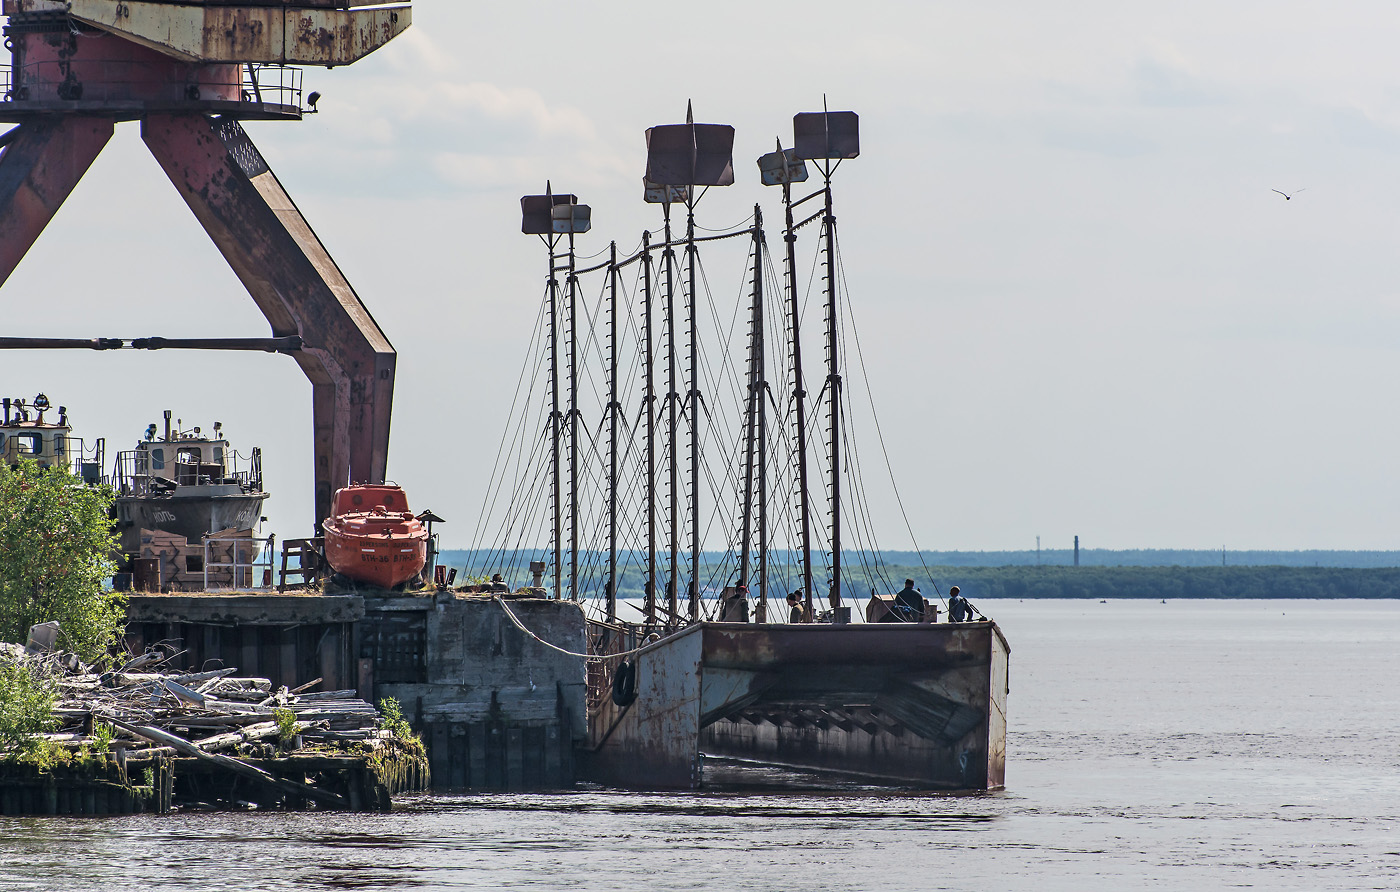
pixel 1164 600
pixel 1103 602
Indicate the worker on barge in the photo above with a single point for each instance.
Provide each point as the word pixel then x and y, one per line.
pixel 908 606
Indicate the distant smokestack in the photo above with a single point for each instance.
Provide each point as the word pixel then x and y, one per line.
pixel 1076 551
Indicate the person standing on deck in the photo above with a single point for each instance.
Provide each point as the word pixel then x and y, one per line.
pixel 959 609
pixel 908 606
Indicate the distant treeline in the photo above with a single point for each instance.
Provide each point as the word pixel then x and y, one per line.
pixel 1168 582
pixel 860 577
pixel 1103 557
pixel 1148 557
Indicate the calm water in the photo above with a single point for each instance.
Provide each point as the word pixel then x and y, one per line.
pixel 1159 746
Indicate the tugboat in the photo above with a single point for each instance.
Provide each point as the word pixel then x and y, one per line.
pixel 49 443
pixel 372 536
pixel 187 484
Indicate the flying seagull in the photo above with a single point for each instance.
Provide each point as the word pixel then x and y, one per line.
pixel 1286 196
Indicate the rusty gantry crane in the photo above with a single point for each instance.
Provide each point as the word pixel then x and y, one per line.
pixel 190 71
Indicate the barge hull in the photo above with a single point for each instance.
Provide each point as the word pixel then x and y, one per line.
pixel 910 705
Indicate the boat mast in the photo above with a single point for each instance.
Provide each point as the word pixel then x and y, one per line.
pixel 649 406
pixel 799 395
pixel 693 399
pixel 613 408
pixel 572 284
pixel 668 257
pixel 679 158
pixel 761 438
pixel 556 491
pixel 833 387
pixel 751 423
pixel 549 216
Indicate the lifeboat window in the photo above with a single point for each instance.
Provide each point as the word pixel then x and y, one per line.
pixel 357 499
pixel 158 459
pixel 389 501
pixel 29 444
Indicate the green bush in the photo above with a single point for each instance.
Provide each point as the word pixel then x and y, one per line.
pixel 27 696
pixel 56 549
pixel 392 719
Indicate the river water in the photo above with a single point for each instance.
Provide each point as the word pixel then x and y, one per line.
pixel 1186 745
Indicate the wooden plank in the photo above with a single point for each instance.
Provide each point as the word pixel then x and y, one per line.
pixel 242 769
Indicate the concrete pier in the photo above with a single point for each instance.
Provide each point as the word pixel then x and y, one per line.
pixel 497 709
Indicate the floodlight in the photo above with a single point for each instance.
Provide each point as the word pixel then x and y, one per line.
pixel 655 193
pixel 822 135
pixel 690 154
pixel 781 167
pixel 537 212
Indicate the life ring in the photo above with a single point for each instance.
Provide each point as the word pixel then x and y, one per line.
pixel 624 684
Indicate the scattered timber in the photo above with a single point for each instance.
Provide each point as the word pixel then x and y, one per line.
pixel 136 739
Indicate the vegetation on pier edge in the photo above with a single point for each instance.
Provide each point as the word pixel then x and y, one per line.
pixel 56 548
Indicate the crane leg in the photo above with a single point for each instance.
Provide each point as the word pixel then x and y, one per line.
pixel 40 164
pixel 292 278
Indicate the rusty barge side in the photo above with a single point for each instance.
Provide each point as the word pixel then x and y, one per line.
pixel 915 705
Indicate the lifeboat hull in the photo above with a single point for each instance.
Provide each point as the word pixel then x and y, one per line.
pixel 376 560
pixel 372 537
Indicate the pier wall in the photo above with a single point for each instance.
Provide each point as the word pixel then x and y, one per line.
pixel 497 709
pixel 288 639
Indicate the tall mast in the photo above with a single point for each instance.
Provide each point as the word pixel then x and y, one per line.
pixel 828 136
pixel 679 158
pixel 557 540
pixel 799 395
pixel 613 408
pixel 650 408
pixel 833 387
pixel 550 216
pixel 668 257
pixel 693 399
pixel 761 416
pixel 572 284
pixel 751 422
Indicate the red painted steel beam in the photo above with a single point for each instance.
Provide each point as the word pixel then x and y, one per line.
pixel 40 164
pixel 296 284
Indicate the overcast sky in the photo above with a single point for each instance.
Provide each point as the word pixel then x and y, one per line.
pixel 1084 309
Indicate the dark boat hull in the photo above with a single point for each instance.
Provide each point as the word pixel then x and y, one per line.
pixel 192 516
pixel 910 705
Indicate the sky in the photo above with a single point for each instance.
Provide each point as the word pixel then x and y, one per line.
pixel 1084 310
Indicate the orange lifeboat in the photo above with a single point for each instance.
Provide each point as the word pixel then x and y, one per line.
pixel 372 537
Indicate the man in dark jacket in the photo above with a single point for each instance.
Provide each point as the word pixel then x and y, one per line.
pixel 908 606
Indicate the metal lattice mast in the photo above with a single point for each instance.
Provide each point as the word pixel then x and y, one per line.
pixel 614 407
pixel 693 401
pixel 650 408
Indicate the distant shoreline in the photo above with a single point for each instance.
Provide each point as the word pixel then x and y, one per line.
pixel 1018 581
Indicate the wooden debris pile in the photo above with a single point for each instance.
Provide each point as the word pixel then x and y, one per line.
pixel 235 741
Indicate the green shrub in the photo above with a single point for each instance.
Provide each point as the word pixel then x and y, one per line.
pixel 27 696
pixel 286 723
pixel 56 550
